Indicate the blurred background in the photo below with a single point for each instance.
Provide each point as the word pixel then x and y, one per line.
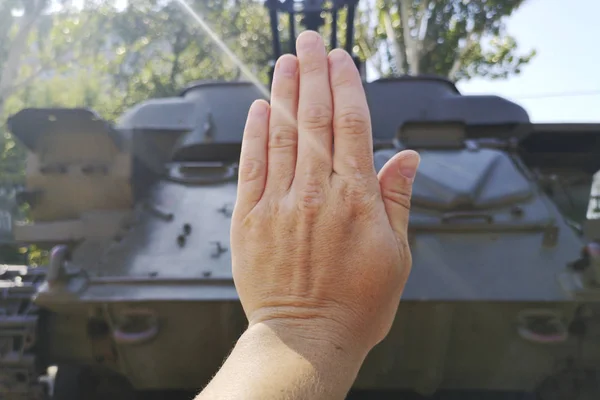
pixel 111 54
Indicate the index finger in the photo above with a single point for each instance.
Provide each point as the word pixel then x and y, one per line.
pixel 353 143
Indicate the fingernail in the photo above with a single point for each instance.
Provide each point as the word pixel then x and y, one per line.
pixel 287 65
pixel 259 108
pixel 338 57
pixel 410 164
pixel 309 40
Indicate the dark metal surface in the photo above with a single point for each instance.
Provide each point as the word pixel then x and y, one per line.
pixel 33 124
pixel 393 102
pixel 490 247
pixel 451 244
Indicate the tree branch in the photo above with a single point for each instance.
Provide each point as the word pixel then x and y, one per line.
pixel 391 36
pixel 374 57
pixel 376 63
pixel 13 88
pixel 470 41
pixel 404 9
pixel 423 23
pixel 11 66
pixel 178 47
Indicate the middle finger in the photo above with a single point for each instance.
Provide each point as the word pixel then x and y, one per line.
pixel 315 110
pixel 283 128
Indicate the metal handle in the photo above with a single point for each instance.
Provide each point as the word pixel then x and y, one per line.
pixel 135 338
pixel 541 326
pixel 196 173
pixel 466 215
pixel 56 269
pixel 129 330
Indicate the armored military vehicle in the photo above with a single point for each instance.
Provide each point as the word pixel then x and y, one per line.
pixel 138 294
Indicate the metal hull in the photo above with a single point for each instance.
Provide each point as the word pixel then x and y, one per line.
pixel 467 319
pixel 432 346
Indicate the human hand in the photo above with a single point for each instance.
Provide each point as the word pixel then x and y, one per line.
pixel 319 244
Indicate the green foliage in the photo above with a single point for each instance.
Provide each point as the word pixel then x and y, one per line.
pixel 37 256
pixel 455 38
pixel 154 51
pixel 109 59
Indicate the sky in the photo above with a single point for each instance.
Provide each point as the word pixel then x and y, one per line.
pixel 566 35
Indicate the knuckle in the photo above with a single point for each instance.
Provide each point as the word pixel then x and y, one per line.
pixel 285 90
pixel 311 195
pixel 313 65
pixel 282 137
pixel 317 116
pixel 358 198
pixel 360 166
pixel 255 220
pixel 253 135
pixel 352 120
pixel 355 194
pixel 252 169
pixel 342 81
pixel 398 195
pixel 251 224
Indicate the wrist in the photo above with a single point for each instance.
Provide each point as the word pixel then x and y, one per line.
pixel 314 330
pixel 328 352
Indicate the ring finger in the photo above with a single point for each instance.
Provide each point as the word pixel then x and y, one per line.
pixel 283 129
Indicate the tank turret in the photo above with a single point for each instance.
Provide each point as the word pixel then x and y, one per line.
pixel 78 175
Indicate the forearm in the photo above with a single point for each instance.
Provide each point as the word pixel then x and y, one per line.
pixel 269 363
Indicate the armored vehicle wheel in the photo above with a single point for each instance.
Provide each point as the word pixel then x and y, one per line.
pixel 77 382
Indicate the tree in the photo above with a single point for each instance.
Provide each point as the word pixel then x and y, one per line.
pixel 11 48
pixel 458 39
pixel 35 46
pixel 18 20
pixel 109 59
pixel 99 56
pixel 152 49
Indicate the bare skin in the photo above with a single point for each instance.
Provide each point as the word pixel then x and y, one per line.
pixel 319 244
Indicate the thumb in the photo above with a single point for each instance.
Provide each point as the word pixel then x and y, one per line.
pixel 396 181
